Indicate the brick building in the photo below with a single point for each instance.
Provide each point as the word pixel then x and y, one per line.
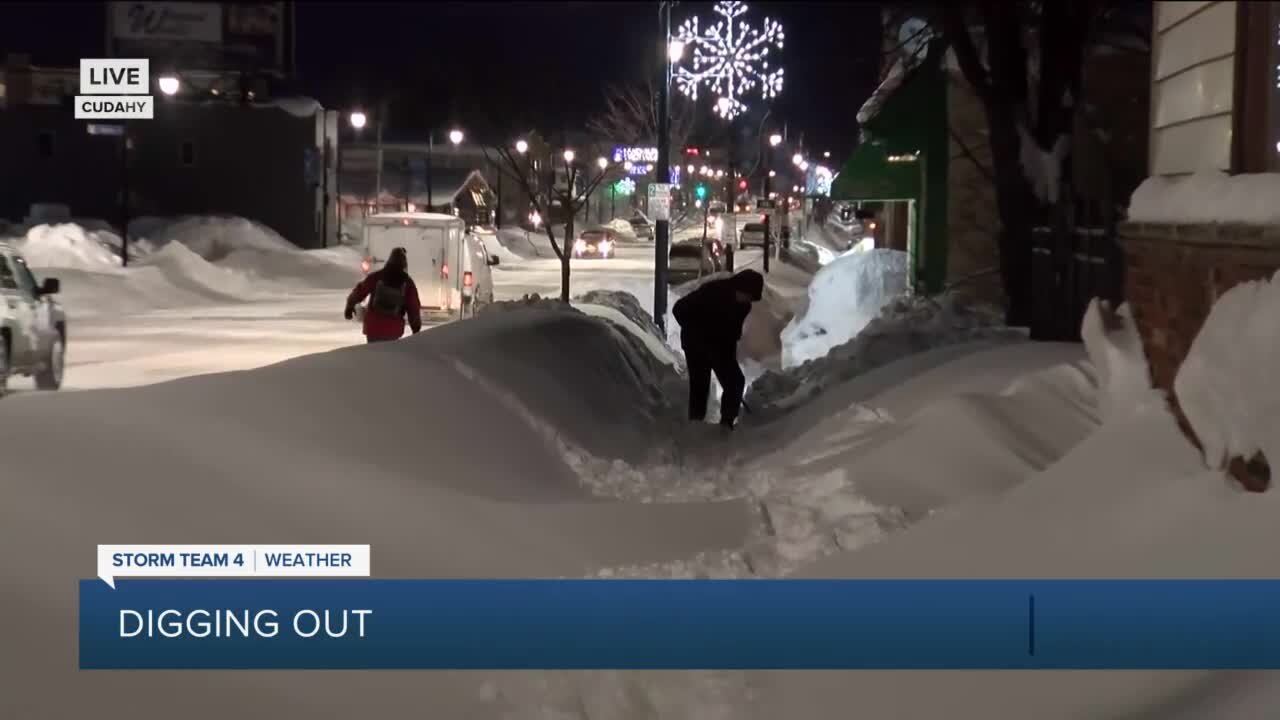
pixel 1215 107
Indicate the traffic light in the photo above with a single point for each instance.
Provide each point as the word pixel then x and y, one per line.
pixel 701 192
pixel 742 184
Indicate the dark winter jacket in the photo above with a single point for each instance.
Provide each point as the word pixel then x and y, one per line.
pixel 711 315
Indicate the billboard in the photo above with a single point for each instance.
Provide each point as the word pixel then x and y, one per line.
pixel 199 36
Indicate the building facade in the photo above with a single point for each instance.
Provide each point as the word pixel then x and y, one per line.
pixel 1215 108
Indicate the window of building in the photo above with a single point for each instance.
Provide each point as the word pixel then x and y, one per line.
pixel 44 144
pixel 187 154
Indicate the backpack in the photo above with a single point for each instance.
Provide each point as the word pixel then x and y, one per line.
pixel 387 300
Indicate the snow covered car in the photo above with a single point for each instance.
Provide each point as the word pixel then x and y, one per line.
pixel 33 327
pixel 450 266
pixel 642 227
pixel 753 235
pixel 690 260
pixel 600 242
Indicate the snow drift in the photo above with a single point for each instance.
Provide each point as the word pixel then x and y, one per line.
pixel 70 246
pixel 411 446
pixel 844 297
pixel 908 325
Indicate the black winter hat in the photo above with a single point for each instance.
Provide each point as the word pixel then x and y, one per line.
pixel 751 283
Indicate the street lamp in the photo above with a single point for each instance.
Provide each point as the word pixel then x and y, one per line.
pixel 358 120
pixel 773 173
pixel 675 49
pixel 826 154
pixel 804 166
pixel 568 157
pixel 602 162
pixel 455 137
pixel 522 147
pixel 797 159
pixel 775 140
pixel 169 85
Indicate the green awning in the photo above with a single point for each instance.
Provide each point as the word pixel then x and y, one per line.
pixel 868 175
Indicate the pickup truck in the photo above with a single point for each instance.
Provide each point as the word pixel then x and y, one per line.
pixel 33 326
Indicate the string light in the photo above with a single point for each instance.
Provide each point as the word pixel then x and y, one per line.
pixel 731 58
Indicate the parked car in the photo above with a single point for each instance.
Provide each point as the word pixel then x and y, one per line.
pixel 33 326
pixel 450 266
pixel 690 260
pixel 642 227
pixel 752 235
pixel 597 242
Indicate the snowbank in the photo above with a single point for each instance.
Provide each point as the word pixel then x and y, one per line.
pixel 908 325
pixel 462 484
pixel 215 237
pixel 1115 348
pixel 626 233
pixel 1208 197
pixel 843 298
pixel 70 246
pixel 1225 386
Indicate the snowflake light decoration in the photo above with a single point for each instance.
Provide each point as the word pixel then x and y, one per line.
pixel 731 57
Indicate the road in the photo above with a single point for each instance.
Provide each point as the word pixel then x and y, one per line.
pixel 136 349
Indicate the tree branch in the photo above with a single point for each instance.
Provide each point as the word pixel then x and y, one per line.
pixel 956 31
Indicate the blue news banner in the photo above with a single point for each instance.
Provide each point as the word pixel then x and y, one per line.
pixel 682 624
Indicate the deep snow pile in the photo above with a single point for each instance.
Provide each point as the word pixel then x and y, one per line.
pixel 257 252
pixel 494 246
pixel 627 304
pixel 70 246
pixel 1208 197
pixel 844 297
pixel 1220 386
pixel 462 483
pixel 908 325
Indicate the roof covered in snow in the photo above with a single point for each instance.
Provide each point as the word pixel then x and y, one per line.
pixel 447 184
pixel 413 217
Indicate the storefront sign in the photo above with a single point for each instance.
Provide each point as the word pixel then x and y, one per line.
pixel 635 155
pixel 173 21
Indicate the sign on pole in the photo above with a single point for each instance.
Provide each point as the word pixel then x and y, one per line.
pixel 660 201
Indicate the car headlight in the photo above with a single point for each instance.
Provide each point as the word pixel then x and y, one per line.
pixel 580 246
pixel 605 246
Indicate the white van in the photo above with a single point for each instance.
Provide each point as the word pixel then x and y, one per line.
pixel 449 265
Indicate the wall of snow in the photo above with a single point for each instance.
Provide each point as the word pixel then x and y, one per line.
pixel 70 246
pixel 844 297
pixel 1208 197
pixel 1226 386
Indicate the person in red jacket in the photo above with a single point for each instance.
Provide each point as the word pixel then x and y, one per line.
pixel 392 298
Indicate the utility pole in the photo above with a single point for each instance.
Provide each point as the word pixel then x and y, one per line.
pixel 377 188
pixel 124 194
pixel 661 235
pixel 430 143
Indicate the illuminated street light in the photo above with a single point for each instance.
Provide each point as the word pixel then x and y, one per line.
pixel 358 120
pixel 804 165
pixel 690 169
pixel 795 188
pixel 169 85
pixel 522 147
pixel 797 158
pixel 675 50
pixel 775 140
pixel 773 173
pixel 602 162
pixel 455 136
pixel 826 154
pixel 568 156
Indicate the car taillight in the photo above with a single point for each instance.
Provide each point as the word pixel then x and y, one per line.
pixel 467 279
pixel 444 270
pixel 366 265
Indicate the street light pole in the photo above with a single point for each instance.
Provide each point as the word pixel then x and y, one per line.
pixel 430 143
pixel 662 227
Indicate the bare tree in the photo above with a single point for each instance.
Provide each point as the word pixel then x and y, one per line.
pixel 631 116
pixel 555 185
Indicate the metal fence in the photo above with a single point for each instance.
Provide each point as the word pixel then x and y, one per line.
pixel 1075 258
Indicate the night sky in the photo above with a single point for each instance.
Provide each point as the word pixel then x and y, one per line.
pixel 500 66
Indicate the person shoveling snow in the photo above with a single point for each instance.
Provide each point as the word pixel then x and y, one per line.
pixel 392 298
pixel 711 319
